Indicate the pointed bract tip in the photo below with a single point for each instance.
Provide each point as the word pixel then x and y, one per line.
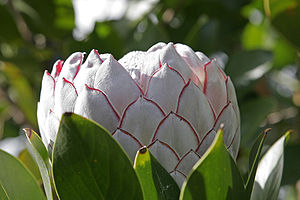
pixel 143 150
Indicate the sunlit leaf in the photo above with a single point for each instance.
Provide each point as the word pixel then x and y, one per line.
pixel 269 172
pixel 29 162
pixel 254 160
pixel 16 180
pixel 214 176
pixel 155 180
pixel 89 164
pixel 284 16
pixel 40 154
pixel 3 194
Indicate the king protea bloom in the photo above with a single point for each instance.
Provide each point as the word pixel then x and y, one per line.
pixel 169 98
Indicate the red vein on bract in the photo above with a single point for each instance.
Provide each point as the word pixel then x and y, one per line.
pixel 190 125
pixel 156 71
pixel 205 86
pixel 181 118
pixel 71 84
pixel 226 84
pixel 129 105
pixel 198 80
pixel 209 132
pixel 160 123
pixel 213 125
pixel 140 89
pixel 178 172
pixel 53 81
pixel 160 64
pixel 78 67
pixel 205 76
pixel 222 72
pixel 156 104
pixel 96 51
pixel 109 103
pixel 165 144
pixel 177 73
pixel 147 89
pixel 130 135
pixel 59 67
pixel 125 111
pixel 184 157
pixel 212 109
pixel 221 112
pixel 233 138
pixel 178 101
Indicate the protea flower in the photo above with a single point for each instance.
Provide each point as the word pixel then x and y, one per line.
pixel 169 98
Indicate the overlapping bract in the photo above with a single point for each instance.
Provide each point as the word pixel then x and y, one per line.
pixel 170 99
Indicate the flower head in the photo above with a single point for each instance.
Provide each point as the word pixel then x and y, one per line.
pixel 169 98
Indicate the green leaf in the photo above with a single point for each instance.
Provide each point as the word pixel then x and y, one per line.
pixel 284 53
pixel 30 163
pixel 89 164
pixel 3 194
pixel 253 161
pixel 16 180
pixel 252 118
pixel 287 24
pixel 257 36
pixel 215 175
pixel 244 61
pixel 10 128
pixel 64 19
pixel 284 17
pixel 155 180
pixel 269 172
pixel 8 24
pixel 40 154
pixel 291 170
pixel 23 93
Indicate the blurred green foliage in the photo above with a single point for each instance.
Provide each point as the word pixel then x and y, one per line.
pixel 260 38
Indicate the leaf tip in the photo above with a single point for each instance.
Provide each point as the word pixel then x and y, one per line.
pixel 68 114
pixel 221 126
pixel 288 134
pixel 266 131
pixel 28 132
pixel 221 129
pixel 290 131
pixel 143 150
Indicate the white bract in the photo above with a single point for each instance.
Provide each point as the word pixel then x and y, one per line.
pixel 169 98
